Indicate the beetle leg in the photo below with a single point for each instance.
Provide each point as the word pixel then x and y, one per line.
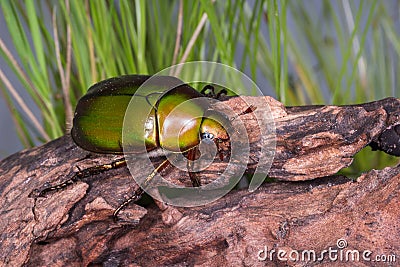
pixel 221 93
pixel 135 197
pixel 139 192
pixel 192 155
pixel 210 93
pixel 219 150
pixel 81 174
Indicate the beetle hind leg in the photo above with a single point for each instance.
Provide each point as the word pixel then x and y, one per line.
pixel 81 174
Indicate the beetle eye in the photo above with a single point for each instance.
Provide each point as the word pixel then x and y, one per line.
pixel 207 136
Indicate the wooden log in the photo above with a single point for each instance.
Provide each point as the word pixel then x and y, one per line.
pixel 75 226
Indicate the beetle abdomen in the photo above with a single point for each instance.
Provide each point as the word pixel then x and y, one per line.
pixel 98 123
pixel 99 117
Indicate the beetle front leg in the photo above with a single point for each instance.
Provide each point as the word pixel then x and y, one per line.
pixel 81 174
pixel 192 155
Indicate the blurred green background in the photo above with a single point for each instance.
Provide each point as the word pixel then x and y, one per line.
pixel 300 52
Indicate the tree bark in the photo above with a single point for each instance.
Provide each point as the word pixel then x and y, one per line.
pixel 295 213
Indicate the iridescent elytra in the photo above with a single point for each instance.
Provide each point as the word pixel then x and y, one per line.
pixel 99 116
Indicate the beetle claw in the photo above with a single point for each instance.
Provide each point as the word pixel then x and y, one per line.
pixel 135 197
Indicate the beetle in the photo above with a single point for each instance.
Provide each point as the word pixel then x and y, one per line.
pixel 99 116
pixel 99 119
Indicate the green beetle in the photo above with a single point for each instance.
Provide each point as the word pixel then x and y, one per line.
pixel 99 116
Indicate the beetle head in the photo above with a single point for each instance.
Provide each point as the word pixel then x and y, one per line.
pixel 214 129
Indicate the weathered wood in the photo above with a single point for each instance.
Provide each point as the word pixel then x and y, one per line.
pixel 75 226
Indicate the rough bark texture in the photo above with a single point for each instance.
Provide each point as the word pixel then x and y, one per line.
pixel 74 226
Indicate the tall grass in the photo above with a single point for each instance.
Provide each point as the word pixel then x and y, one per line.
pixel 302 52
